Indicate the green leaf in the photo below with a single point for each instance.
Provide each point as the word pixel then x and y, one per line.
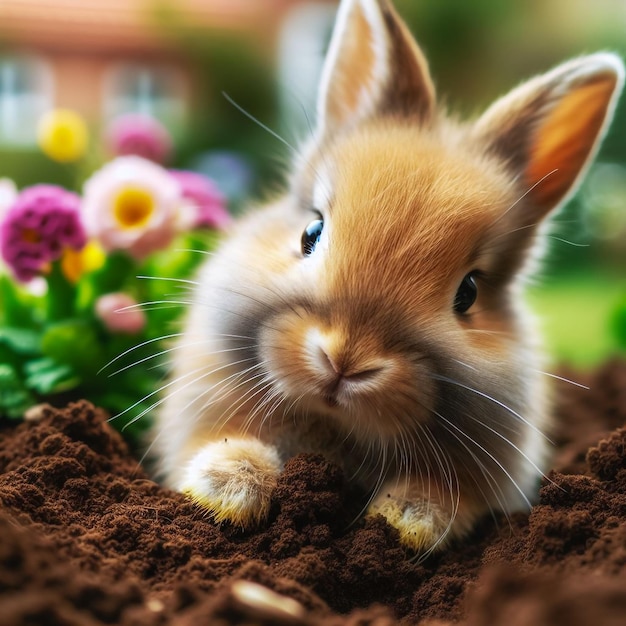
pixel 112 276
pixel 22 341
pixel 74 343
pixel 17 307
pixel 46 376
pixel 182 258
pixel 10 300
pixel 61 296
pixel 15 399
pixel 618 322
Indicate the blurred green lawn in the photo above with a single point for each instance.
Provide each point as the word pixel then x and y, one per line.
pixel 576 313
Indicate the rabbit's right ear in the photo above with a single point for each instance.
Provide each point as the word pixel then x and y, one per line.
pixel 373 67
pixel 549 128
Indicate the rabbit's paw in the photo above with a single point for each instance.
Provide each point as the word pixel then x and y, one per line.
pixel 422 525
pixel 233 480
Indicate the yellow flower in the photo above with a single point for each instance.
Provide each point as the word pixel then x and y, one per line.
pixel 74 263
pixel 62 135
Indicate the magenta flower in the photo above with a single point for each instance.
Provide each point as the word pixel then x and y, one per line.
pixel 203 203
pixel 37 227
pixel 120 313
pixel 139 135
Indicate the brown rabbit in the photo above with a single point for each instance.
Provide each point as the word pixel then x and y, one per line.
pixel 373 313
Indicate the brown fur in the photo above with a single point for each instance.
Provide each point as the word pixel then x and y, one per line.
pixel 356 350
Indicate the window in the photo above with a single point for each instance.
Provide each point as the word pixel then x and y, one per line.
pixel 26 92
pixel 156 91
pixel 304 39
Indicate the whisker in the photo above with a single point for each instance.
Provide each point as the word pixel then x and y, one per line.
pixel 495 401
pixel 173 349
pixel 569 243
pixel 529 190
pixel 565 380
pixel 136 347
pixel 382 475
pixel 163 399
pixel 491 456
pixel 171 383
pixel 148 303
pixel 238 378
pixel 251 117
pixel 169 279
pixel 514 446
pixel 196 251
pixel 261 386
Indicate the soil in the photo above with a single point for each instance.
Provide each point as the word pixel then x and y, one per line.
pixel 86 538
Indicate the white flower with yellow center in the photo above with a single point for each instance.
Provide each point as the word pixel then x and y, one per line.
pixel 131 204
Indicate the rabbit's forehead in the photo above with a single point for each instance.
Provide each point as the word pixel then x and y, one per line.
pixel 403 189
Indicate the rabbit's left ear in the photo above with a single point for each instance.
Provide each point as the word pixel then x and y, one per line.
pixel 548 129
pixel 373 67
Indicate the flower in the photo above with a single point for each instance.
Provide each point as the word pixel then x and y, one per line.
pixel 41 223
pixel 131 204
pixel 8 194
pixel 205 204
pixel 62 135
pixel 119 313
pixel 74 263
pixel 139 135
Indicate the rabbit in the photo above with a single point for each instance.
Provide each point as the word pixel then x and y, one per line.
pixel 373 312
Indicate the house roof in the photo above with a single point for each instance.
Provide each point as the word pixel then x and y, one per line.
pixel 125 25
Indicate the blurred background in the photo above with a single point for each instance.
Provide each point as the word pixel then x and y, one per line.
pixel 174 60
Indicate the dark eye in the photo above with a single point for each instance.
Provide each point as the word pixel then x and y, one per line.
pixel 311 236
pixel 466 294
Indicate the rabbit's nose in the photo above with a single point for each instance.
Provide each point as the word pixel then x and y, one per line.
pixel 342 370
pixel 343 378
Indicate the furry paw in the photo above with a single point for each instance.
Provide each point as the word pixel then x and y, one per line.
pixel 233 480
pixel 422 525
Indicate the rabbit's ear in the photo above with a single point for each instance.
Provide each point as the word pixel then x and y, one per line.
pixel 549 128
pixel 373 67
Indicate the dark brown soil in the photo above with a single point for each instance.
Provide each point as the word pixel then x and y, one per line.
pixel 86 538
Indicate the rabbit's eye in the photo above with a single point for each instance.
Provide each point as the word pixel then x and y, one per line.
pixel 311 236
pixel 466 294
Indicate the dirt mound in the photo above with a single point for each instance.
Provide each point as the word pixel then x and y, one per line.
pixel 87 538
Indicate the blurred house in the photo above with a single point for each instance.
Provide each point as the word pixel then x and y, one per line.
pixel 105 57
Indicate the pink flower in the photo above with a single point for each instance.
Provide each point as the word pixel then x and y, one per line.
pixel 205 206
pixel 132 204
pixel 120 314
pixel 8 194
pixel 37 227
pixel 139 135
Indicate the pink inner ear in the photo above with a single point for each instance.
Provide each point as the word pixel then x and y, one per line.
pixel 565 139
